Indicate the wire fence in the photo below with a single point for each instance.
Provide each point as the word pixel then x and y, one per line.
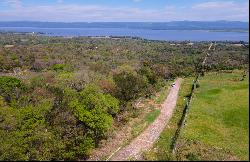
pixel 182 121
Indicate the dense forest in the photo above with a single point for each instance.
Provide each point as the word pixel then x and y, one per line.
pixel 60 96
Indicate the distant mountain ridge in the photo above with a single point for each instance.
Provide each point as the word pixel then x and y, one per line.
pixel 173 25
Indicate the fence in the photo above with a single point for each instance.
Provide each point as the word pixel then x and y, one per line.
pixel 184 115
pixel 186 108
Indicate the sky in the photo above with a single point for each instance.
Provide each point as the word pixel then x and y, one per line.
pixel 123 10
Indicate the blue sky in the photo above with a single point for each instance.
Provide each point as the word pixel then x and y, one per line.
pixel 123 10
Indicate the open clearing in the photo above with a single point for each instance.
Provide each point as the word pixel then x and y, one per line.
pixel 217 125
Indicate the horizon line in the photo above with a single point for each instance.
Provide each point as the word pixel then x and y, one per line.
pixel 124 21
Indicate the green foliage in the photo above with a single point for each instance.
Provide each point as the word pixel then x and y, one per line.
pixel 152 116
pixel 23 135
pixel 95 109
pixel 38 81
pixel 130 85
pixel 54 114
pixel 149 74
pixel 10 88
pixel 58 67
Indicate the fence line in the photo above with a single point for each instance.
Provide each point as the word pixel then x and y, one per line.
pixel 186 108
pixel 184 116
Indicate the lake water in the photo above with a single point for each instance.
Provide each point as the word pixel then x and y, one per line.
pixel 171 35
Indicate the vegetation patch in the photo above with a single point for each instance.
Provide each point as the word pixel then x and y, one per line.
pixel 221 123
pixel 213 91
pixel 153 110
pixel 152 116
pixel 217 124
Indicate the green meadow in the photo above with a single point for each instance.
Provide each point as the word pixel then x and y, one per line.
pixel 217 124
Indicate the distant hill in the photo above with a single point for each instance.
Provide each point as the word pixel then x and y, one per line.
pixel 174 25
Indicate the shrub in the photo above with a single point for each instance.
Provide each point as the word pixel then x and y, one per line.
pixel 162 71
pixel 58 67
pixel 130 85
pixel 95 110
pixel 150 74
pixel 11 88
pixel 108 86
pixel 39 65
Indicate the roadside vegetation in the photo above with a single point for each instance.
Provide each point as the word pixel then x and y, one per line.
pixel 162 148
pixel 145 111
pixel 59 97
pixel 217 125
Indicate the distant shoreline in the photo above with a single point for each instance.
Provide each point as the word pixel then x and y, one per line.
pixel 117 37
pixel 172 25
pixel 239 31
pixel 209 30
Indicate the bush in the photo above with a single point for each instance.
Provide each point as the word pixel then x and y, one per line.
pixel 58 67
pixel 11 88
pixel 62 67
pixel 23 135
pixel 108 86
pixel 150 74
pixel 130 85
pixel 95 110
pixel 39 65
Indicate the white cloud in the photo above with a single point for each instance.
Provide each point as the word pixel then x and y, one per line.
pixel 208 11
pixel 213 5
pixel 79 13
pixel 227 10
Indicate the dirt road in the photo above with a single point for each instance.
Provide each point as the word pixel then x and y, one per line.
pixel 205 59
pixel 146 139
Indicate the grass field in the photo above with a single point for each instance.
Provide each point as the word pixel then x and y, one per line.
pixel 217 125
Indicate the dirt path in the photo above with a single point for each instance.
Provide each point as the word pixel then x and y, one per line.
pixel 205 59
pixel 146 139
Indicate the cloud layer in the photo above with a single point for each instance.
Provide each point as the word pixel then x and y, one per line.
pixel 207 11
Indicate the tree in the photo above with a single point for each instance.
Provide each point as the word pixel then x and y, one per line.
pixel 10 88
pixel 149 73
pixel 130 85
pixel 95 110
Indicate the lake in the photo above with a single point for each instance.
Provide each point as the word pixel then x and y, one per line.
pixel 169 35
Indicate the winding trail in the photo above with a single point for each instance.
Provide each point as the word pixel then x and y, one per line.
pixel 146 139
